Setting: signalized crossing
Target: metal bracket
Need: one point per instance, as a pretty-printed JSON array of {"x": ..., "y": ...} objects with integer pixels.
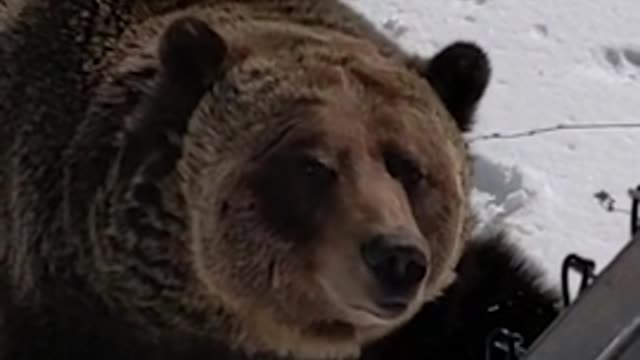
[
  {"x": 635, "y": 210},
  {"x": 586, "y": 268}
]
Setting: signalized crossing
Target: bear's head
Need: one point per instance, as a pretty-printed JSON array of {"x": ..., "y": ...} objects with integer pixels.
[{"x": 292, "y": 191}]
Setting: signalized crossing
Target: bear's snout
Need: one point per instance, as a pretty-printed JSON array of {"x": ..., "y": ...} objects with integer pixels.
[{"x": 398, "y": 269}]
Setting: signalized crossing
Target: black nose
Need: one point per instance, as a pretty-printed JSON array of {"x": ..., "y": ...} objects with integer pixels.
[{"x": 398, "y": 268}]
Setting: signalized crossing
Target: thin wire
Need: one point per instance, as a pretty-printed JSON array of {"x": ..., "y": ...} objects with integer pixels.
[{"x": 555, "y": 128}]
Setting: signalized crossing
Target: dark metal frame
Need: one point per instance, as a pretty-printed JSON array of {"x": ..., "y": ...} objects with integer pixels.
[{"x": 603, "y": 322}]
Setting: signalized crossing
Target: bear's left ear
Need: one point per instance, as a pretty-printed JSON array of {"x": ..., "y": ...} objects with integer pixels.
[
  {"x": 459, "y": 73},
  {"x": 191, "y": 57}
]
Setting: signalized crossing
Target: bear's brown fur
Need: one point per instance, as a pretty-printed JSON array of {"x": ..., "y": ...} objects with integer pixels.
[{"x": 199, "y": 177}]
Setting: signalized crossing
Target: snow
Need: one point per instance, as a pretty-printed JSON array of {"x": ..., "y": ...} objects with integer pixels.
[{"x": 554, "y": 62}]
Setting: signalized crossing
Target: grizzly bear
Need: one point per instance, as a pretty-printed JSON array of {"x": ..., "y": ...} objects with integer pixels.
[{"x": 260, "y": 179}]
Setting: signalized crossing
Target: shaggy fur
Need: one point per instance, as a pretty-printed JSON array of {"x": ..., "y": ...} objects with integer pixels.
[
  {"x": 496, "y": 287},
  {"x": 143, "y": 144}
]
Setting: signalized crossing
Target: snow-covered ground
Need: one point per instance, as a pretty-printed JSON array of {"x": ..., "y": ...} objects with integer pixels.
[{"x": 554, "y": 62}]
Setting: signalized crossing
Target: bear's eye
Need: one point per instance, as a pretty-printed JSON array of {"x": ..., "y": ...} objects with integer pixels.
[
  {"x": 403, "y": 169},
  {"x": 317, "y": 173}
]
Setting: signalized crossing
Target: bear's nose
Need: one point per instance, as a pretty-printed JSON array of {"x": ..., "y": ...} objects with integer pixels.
[{"x": 398, "y": 269}]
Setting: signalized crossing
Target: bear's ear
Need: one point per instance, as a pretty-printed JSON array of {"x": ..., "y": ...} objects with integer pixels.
[
  {"x": 191, "y": 53},
  {"x": 191, "y": 56},
  {"x": 459, "y": 73}
]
